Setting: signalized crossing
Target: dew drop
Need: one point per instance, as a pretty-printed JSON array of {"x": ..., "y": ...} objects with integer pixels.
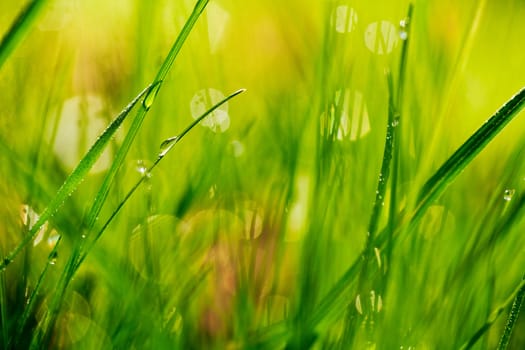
[
  {"x": 508, "y": 194},
  {"x": 167, "y": 144},
  {"x": 152, "y": 94},
  {"x": 403, "y": 34},
  {"x": 395, "y": 122}
]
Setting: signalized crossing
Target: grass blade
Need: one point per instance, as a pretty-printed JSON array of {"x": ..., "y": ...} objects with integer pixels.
[
  {"x": 19, "y": 28},
  {"x": 467, "y": 152},
  {"x": 513, "y": 317},
  {"x": 433, "y": 187},
  {"x": 74, "y": 179},
  {"x": 394, "y": 109},
  {"x": 42, "y": 335},
  {"x": 518, "y": 292},
  {"x": 141, "y": 114},
  {"x": 165, "y": 147},
  {"x": 29, "y": 309}
]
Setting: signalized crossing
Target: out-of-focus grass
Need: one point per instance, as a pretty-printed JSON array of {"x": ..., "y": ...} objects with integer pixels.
[{"x": 179, "y": 266}]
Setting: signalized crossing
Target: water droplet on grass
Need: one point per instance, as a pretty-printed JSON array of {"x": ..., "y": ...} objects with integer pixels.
[
  {"x": 344, "y": 19},
  {"x": 395, "y": 122},
  {"x": 381, "y": 37},
  {"x": 167, "y": 144},
  {"x": 218, "y": 120},
  {"x": 152, "y": 94},
  {"x": 508, "y": 194}
]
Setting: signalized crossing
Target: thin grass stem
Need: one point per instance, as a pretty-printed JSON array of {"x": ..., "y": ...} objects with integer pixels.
[{"x": 19, "y": 28}]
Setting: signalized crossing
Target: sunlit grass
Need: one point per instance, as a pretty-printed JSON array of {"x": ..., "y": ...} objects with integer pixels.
[{"x": 356, "y": 196}]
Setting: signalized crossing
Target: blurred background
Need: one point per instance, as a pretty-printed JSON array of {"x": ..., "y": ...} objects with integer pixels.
[{"x": 250, "y": 172}]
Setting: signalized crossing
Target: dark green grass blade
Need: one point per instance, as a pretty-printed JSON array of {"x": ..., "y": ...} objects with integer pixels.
[
  {"x": 42, "y": 335},
  {"x": 368, "y": 254},
  {"x": 519, "y": 291},
  {"x": 141, "y": 114},
  {"x": 19, "y": 28},
  {"x": 467, "y": 152},
  {"x": 512, "y": 318},
  {"x": 3, "y": 311},
  {"x": 30, "y": 307},
  {"x": 74, "y": 179},
  {"x": 337, "y": 297},
  {"x": 165, "y": 147},
  {"x": 394, "y": 109}
]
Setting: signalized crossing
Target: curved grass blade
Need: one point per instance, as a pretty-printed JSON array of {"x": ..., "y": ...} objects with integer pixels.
[
  {"x": 44, "y": 332},
  {"x": 32, "y": 298},
  {"x": 368, "y": 254},
  {"x": 141, "y": 114},
  {"x": 467, "y": 152},
  {"x": 3, "y": 312},
  {"x": 513, "y": 317},
  {"x": 337, "y": 297},
  {"x": 74, "y": 179},
  {"x": 395, "y": 99},
  {"x": 519, "y": 291},
  {"x": 165, "y": 147},
  {"x": 19, "y": 28}
]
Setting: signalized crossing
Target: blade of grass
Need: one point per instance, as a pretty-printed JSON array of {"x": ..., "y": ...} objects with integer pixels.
[
  {"x": 141, "y": 114},
  {"x": 467, "y": 152},
  {"x": 364, "y": 282},
  {"x": 512, "y": 318},
  {"x": 165, "y": 147},
  {"x": 337, "y": 297},
  {"x": 519, "y": 291},
  {"x": 3, "y": 311},
  {"x": 32, "y": 298},
  {"x": 369, "y": 253},
  {"x": 42, "y": 335},
  {"x": 74, "y": 179},
  {"x": 19, "y": 28}
]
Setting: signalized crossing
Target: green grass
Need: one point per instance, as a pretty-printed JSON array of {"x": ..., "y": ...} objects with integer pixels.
[{"x": 366, "y": 192}]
